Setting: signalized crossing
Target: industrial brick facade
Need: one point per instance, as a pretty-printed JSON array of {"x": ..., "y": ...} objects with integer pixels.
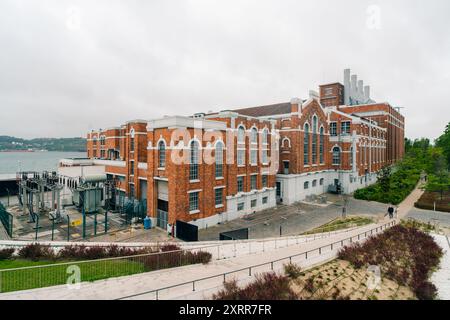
[{"x": 210, "y": 168}]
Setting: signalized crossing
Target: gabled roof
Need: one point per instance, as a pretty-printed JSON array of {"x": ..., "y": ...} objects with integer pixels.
[{"x": 264, "y": 111}]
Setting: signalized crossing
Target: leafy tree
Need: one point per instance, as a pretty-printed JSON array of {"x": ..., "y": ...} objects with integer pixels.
[{"x": 443, "y": 142}]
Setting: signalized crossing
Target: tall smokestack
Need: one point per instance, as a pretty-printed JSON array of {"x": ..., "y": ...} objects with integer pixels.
[
  {"x": 347, "y": 86},
  {"x": 367, "y": 93},
  {"x": 354, "y": 91},
  {"x": 360, "y": 90}
]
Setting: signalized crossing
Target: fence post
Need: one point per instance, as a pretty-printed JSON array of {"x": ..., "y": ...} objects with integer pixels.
[
  {"x": 320, "y": 251},
  {"x": 306, "y": 255},
  {"x": 250, "y": 271},
  {"x": 106, "y": 221},
  {"x": 193, "y": 285},
  {"x": 68, "y": 228}
]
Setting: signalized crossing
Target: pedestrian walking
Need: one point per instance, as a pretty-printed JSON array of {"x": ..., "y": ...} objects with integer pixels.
[{"x": 391, "y": 212}]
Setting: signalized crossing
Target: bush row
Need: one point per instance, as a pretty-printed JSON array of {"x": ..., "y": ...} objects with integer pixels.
[
  {"x": 405, "y": 255},
  {"x": 267, "y": 286},
  {"x": 169, "y": 253}
]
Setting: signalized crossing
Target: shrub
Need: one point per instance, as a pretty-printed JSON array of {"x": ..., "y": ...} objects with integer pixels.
[
  {"x": 293, "y": 271},
  {"x": 309, "y": 285},
  {"x": 36, "y": 252},
  {"x": 426, "y": 291},
  {"x": 405, "y": 254},
  {"x": 268, "y": 286},
  {"x": 6, "y": 254}
]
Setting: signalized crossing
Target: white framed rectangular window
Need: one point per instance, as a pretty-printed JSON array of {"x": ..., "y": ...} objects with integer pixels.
[
  {"x": 241, "y": 206},
  {"x": 333, "y": 129},
  {"x": 264, "y": 180},
  {"x": 193, "y": 201},
  {"x": 253, "y": 203},
  {"x": 254, "y": 157},
  {"x": 218, "y": 197},
  {"x": 240, "y": 184},
  {"x": 345, "y": 128},
  {"x": 241, "y": 157},
  {"x": 265, "y": 200},
  {"x": 253, "y": 182}
]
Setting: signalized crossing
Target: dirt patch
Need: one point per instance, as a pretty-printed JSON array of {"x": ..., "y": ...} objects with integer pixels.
[{"x": 339, "y": 280}]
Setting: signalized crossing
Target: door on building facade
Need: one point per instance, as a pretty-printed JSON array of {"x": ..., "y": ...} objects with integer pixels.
[
  {"x": 162, "y": 210},
  {"x": 285, "y": 167},
  {"x": 279, "y": 197},
  {"x": 162, "y": 214}
]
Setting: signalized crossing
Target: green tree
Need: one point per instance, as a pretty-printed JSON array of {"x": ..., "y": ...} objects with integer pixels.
[
  {"x": 439, "y": 181},
  {"x": 443, "y": 142}
]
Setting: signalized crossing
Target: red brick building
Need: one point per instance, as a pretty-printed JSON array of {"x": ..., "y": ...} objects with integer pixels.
[{"x": 216, "y": 167}]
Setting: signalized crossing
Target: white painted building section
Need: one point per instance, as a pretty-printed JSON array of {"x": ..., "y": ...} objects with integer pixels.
[{"x": 240, "y": 205}]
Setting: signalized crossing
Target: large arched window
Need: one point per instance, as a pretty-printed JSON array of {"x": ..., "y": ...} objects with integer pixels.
[
  {"x": 314, "y": 141},
  {"x": 321, "y": 144},
  {"x": 219, "y": 159},
  {"x": 265, "y": 137},
  {"x": 306, "y": 145},
  {"x": 162, "y": 154},
  {"x": 241, "y": 135},
  {"x": 336, "y": 156},
  {"x": 193, "y": 166},
  {"x": 254, "y": 135}
]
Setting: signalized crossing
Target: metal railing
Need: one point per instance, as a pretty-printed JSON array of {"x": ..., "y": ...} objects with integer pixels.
[
  {"x": 306, "y": 254},
  {"x": 57, "y": 273}
]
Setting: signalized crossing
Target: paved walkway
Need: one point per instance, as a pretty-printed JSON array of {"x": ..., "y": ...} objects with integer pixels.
[
  {"x": 123, "y": 287},
  {"x": 408, "y": 204},
  {"x": 441, "y": 278}
]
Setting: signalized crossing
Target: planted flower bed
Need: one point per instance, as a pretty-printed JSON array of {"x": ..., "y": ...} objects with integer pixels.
[
  {"x": 404, "y": 254},
  {"x": 41, "y": 266}
]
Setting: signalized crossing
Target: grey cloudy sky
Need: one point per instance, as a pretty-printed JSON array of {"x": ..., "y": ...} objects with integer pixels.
[{"x": 70, "y": 66}]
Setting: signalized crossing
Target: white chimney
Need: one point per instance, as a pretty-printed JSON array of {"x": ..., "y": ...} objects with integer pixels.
[
  {"x": 367, "y": 93},
  {"x": 360, "y": 90},
  {"x": 347, "y": 86},
  {"x": 354, "y": 90}
]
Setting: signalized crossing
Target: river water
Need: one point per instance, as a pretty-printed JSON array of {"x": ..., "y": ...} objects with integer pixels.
[{"x": 11, "y": 162}]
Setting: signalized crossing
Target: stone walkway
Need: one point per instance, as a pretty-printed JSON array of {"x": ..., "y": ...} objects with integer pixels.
[
  {"x": 119, "y": 288},
  {"x": 441, "y": 278}
]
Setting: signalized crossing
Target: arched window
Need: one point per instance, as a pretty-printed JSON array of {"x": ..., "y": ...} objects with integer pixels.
[
  {"x": 321, "y": 144},
  {"x": 241, "y": 135},
  {"x": 162, "y": 154},
  {"x": 265, "y": 137},
  {"x": 306, "y": 145},
  {"x": 314, "y": 141},
  {"x": 336, "y": 156},
  {"x": 219, "y": 160},
  {"x": 306, "y": 185},
  {"x": 254, "y": 135},
  {"x": 193, "y": 167},
  {"x": 286, "y": 143}
]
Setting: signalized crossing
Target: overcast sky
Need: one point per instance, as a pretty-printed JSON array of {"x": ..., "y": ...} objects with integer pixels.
[{"x": 70, "y": 66}]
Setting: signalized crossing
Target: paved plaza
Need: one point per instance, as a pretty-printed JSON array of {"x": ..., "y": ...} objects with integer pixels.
[{"x": 295, "y": 219}]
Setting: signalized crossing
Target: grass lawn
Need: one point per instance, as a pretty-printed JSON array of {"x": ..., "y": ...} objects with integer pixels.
[
  {"x": 24, "y": 279},
  {"x": 340, "y": 224}
]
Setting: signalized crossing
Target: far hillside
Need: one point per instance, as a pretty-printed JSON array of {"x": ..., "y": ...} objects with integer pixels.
[{"x": 8, "y": 143}]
